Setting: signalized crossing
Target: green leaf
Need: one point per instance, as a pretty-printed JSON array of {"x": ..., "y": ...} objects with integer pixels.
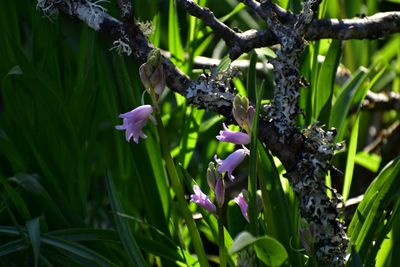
[
  {"x": 348, "y": 175},
  {"x": 242, "y": 241},
  {"x": 368, "y": 161},
  {"x": 252, "y": 181},
  {"x": 155, "y": 35},
  {"x": 326, "y": 78},
  {"x": 388, "y": 254},
  {"x": 355, "y": 260},
  {"x": 123, "y": 228},
  {"x": 174, "y": 39},
  {"x": 224, "y": 63},
  {"x": 268, "y": 249},
  {"x": 57, "y": 242},
  {"x": 16, "y": 199},
  {"x": 33, "y": 227},
  {"x": 236, "y": 10},
  {"x": 190, "y": 133},
  {"x": 281, "y": 219},
  {"x": 368, "y": 222},
  {"x": 343, "y": 102},
  {"x": 12, "y": 247},
  {"x": 77, "y": 249},
  {"x": 31, "y": 184}
]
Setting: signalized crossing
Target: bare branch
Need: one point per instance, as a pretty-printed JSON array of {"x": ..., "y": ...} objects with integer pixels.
[
  {"x": 383, "y": 136},
  {"x": 282, "y": 14},
  {"x": 371, "y": 27},
  {"x": 381, "y": 101}
]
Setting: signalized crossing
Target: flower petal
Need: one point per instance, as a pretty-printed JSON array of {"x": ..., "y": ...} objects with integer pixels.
[{"x": 134, "y": 121}]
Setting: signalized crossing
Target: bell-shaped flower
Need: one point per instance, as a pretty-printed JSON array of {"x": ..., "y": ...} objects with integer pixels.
[
  {"x": 202, "y": 199},
  {"x": 238, "y": 138},
  {"x": 241, "y": 201},
  {"x": 134, "y": 121},
  {"x": 231, "y": 162}
]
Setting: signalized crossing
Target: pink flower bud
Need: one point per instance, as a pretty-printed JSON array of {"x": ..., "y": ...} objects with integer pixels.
[
  {"x": 243, "y": 113},
  {"x": 152, "y": 72},
  {"x": 241, "y": 201}
]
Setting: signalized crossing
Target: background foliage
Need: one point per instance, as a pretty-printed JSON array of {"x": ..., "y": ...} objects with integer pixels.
[{"x": 74, "y": 193}]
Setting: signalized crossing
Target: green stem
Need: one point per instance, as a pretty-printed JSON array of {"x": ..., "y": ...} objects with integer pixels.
[
  {"x": 177, "y": 186},
  {"x": 221, "y": 241}
]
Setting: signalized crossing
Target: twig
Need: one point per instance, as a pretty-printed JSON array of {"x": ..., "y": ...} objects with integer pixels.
[
  {"x": 283, "y": 15},
  {"x": 382, "y": 137},
  {"x": 381, "y": 101},
  {"x": 371, "y": 27}
]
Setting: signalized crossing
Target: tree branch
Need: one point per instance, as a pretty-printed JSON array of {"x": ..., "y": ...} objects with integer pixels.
[
  {"x": 381, "y": 101},
  {"x": 371, "y": 27}
]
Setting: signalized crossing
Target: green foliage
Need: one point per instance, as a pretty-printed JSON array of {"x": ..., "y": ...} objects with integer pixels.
[
  {"x": 75, "y": 193},
  {"x": 268, "y": 250}
]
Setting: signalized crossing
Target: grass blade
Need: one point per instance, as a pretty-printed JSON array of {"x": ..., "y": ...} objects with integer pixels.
[
  {"x": 351, "y": 153},
  {"x": 367, "y": 223},
  {"x": 33, "y": 227},
  {"x": 128, "y": 240},
  {"x": 326, "y": 78}
]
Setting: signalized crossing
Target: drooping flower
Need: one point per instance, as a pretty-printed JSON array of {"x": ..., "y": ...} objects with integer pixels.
[
  {"x": 241, "y": 201},
  {"x": 232, "y": 161},
  {"x": 202, "y": 199},
  {"x": 134, "y": 121},
  {"x": 238, "y": 138}
]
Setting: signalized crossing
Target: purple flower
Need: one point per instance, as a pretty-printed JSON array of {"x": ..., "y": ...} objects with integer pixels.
[
  {"x": 232, "y": 161},
  {"x": 133, "y": 122},
  {"x": 238, "y": 138},
  {"x": 241, "y": 201},
  {"x": 202, "y": 199}
]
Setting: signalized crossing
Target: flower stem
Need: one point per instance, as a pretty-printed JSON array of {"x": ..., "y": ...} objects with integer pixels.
[
  {"x": 177, "y": 186},
  {"x": 221, "y": 241}
]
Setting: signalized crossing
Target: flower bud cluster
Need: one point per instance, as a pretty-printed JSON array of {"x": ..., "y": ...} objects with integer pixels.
[
  {"x": 243, "y": 113},
  {"x": 153, "y": 78}
]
